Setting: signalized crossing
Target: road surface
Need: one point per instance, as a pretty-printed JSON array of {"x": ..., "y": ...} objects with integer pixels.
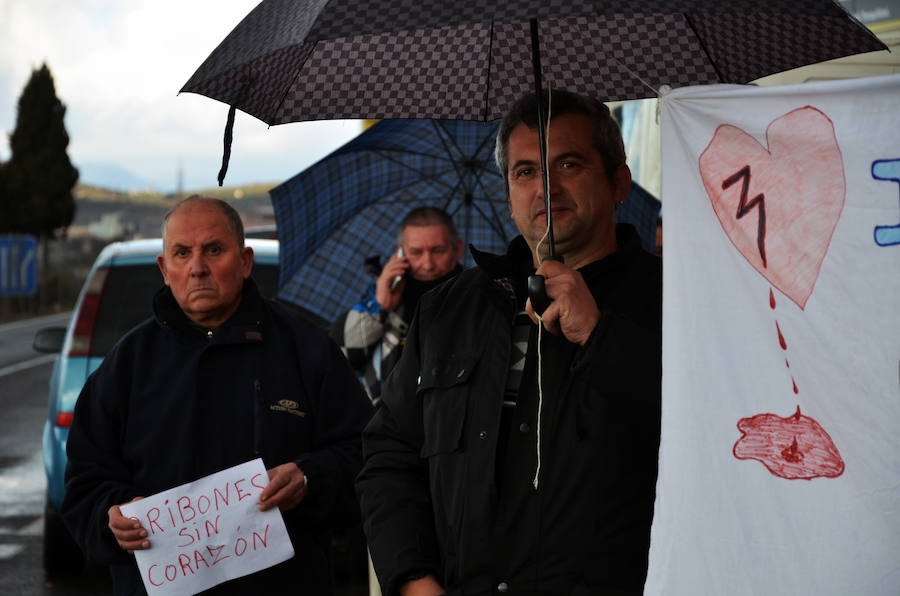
[{"x": 24, "y": 377}]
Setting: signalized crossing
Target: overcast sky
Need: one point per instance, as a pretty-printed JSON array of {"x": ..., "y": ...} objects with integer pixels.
[{"x": 118, "y": 66}]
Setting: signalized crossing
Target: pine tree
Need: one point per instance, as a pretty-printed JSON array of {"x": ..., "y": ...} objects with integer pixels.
[
  {"x": 12, "y": 202},
  {"x": 6, "y": 215},
  {"x": 39, "y": 177}
]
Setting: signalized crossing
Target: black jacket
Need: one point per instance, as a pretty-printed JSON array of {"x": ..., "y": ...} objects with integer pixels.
[
  {"x": 173, "y": 402},
  {"x": 435, "y": 494}
]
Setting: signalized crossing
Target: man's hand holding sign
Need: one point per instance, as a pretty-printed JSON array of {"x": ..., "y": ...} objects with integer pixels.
[
  {"x": 129, "y": 533},
  {"x": 286, "y": 488}
]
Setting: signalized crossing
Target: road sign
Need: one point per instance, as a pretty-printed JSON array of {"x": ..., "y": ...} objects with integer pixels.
[{"x": 18, "y": 265}]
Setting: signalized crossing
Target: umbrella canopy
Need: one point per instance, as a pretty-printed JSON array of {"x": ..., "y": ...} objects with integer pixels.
[
  {"x": 293, "y": 60},
  {"x": 348, "y": 206}
]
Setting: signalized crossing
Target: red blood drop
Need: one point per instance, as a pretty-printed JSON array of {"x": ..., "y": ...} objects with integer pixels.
[
  {"x": 780, "y": 337},
  {"x": 771, "y": 299},
  {"x": 793, "y": 453}
]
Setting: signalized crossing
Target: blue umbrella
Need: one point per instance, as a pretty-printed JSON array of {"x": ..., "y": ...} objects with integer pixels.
[{"x": 347, "y": 207}]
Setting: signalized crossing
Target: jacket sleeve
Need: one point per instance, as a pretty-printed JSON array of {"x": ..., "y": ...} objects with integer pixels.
[
  {"x": 362, "y": 326},
  {"x": 393, "y": 486},
  {"x": 341, "y": 410},
  {"x": 96, "y": 476},
  {"x": 623, "y": 355},
  {"x": 622, "y": 365},
  {"x": 358, "y": 331},
  {"x": 616, "y": 346}
]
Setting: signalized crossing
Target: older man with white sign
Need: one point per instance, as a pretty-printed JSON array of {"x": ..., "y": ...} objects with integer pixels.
[{"x": 218, "y": 377}]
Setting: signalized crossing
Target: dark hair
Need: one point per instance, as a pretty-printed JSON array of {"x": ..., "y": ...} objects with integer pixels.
[
  {"x": 428, "y": 216},
  {"x": 607, "y": 136},
  {"x": 235, "y": 225}
]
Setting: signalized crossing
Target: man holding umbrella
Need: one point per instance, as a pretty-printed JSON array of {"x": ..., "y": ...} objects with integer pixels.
[
  {"x": 372, "y": 332},
  {"x": 517, "y": 453}
]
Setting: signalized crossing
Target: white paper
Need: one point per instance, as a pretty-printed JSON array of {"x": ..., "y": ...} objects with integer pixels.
[
  {"x": 802, "y": 347},
  {"x": 209, "y": 531}
]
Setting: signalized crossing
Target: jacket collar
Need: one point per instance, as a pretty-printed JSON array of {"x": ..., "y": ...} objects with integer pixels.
[
  {"x": 415, "y": 289},
  {"x": 629, "y": 242},
  {"x": 516, "y": 265},
  {"x": 169, "y": 314}
]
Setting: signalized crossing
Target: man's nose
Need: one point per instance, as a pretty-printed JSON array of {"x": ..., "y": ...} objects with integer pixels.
[
  {"x": 552, "y": 183},
  {"x": 198, "y": 265}
]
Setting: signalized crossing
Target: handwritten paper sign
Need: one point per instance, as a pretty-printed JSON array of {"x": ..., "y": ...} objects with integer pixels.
[{"x": 209, "y": 531}]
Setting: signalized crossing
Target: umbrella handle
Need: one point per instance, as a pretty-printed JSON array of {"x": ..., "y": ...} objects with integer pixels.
[
  {"x": 537, "y": 289},
  {"x": 537, "y": 293}
]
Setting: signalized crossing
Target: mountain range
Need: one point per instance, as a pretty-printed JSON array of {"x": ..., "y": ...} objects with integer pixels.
[{"x": 111, "y": 176}]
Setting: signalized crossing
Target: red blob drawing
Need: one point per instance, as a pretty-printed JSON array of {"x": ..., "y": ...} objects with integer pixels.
[
  {"x": 779, "y": 205},
  {"x": 796, "y": 447}
]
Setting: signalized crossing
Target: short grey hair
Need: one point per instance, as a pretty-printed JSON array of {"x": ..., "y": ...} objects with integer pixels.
[
  {"x": 428, "y": 216},
  {"x": 235, "y": 225},
  {"x": 607, "y": 135}
]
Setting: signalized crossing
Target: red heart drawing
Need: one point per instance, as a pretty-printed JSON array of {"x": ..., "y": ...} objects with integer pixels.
[{"x": 779, "y": 206}]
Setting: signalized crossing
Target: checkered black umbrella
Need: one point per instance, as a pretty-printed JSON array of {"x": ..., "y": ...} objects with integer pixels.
[
  {"x": 293, "y": 60},
  {"x": 348, "y": 206}
]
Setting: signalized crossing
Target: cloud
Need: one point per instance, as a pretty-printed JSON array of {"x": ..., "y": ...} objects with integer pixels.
[{"x": 118, "y": 67}]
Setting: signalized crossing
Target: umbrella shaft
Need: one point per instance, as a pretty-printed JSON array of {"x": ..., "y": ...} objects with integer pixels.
[{"x": 542, "y": 134}]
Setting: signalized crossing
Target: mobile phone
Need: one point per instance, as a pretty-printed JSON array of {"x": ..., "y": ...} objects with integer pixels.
[{"x": 399, "y": 277}]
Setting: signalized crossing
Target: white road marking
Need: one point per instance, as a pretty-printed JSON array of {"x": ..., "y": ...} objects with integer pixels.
[
  {"x": 26, "y": 364},
  {"x": 22, "y": 488},
  {"x": 62, "y": 318},
  {"x": 35, "y": 528},
  {"x": 8, "y": 551}
]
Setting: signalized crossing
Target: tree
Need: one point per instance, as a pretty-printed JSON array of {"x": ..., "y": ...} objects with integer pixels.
[
  {"x": 12, "y": 201},
  {"x": 6, "y": 214},
  {"x": 39, "y": 178}
]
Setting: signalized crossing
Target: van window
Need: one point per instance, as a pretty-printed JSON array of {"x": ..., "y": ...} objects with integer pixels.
[{"x": 128, "y": 299}]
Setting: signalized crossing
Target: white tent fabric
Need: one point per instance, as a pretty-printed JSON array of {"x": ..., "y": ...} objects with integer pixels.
[{"x": 780, "y": 454}]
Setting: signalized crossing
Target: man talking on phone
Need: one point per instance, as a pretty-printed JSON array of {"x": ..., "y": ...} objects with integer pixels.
[{"x": 372, "y": 332}]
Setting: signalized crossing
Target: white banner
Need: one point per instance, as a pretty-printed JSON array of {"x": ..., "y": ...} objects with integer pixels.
[
  {"x": 209, "y": 531},
  {"x": 780, "y": 454}
]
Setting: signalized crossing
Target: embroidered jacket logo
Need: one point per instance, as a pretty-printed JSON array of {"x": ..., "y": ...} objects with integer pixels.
[{"x": 289, "y": 406}]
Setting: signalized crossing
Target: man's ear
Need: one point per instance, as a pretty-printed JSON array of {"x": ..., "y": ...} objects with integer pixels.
[
  {"x": 161, "y": 263},
  {"x": 622, "y": 183},
  {"x": 459, "y": 249},
  {"x": 246, "y": 261}
]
